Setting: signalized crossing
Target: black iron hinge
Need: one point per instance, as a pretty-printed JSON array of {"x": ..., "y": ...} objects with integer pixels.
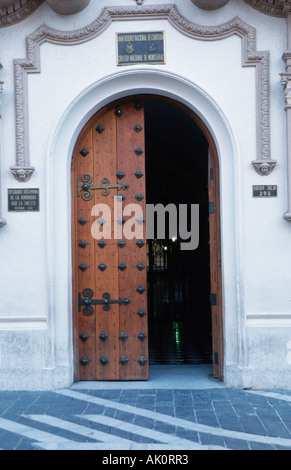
[
  {"x": 216, "y": 358},
  {"x": 213, "y": 300},
  {"x": 211, "y": 208}
]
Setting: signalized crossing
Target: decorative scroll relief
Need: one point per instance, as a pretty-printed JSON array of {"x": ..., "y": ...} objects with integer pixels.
[
  {"x": 251, "y": 58},
  {"x": 2, "y": 221},
  {"x": 13, "y": 11},
  {"x": 279, "y": 8}
]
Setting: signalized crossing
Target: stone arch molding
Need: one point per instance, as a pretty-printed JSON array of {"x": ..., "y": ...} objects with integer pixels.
[{"x": 264, "y": 164}]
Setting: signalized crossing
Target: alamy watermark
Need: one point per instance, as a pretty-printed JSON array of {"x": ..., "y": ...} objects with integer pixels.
[{"x": 170, "y": 221}]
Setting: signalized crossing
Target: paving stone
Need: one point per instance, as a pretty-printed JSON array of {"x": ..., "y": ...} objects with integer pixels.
[
  {"x": 185, "y": 413},
  {"x": 164, "y": 427},
  {"x": 25, "y": 445},
  {"x": 209, "y": 439},
  {"x": 144, "y": 422},
  {"x": 124, "y": 416},
  {"x": 257, "y": 446},
  {"x": 229, "y": 421},
  {"x": 146, "y": 406},
  {"x": 167, "y": 409},
  {"x": 242, "y": 409},
  {"x": 10, "y": 441},
  {"x": 207, "y": 417},
  {"x": 273, "y": 423},
  {"x": 110, "y": 412},
  {"x": 282, "y": 448},
  {"x": 236, "y": 444},
  {"x": 92, "y": 409},
  {"x": 164, "y": 396},
  {"x": 187, "y": 434},
  {"x": 252, "y": 425},
  {"x": 128, "y": 396},
  {"x": 146, "y": 400}
]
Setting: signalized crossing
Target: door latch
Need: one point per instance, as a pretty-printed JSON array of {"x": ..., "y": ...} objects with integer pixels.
[{"x": 87, "y": 301}]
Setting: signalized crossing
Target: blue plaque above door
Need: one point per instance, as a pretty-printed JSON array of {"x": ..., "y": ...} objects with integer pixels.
[{"x": 141, "y": 48}]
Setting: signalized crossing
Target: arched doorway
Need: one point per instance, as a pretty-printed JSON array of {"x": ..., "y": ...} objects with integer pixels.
[{"x": 177, "y": 164}]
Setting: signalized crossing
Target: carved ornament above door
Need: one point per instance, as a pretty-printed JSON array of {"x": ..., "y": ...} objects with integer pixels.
[
  {"x": 13, "y": 11},
  {"x": 279, "y": 8}
]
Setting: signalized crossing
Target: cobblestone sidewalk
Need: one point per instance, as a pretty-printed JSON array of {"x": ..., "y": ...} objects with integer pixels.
[{"x": 149, "y": 420}]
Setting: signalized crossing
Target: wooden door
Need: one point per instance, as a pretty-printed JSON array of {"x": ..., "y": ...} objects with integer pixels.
[
  {"x": 110, "y": 267},
  {"x": 215, "y": 265}
]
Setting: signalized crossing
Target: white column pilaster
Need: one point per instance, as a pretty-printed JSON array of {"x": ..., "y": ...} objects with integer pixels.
[
  {"x": 286, "y": 81},
  {"x": 2, "y": 220}
]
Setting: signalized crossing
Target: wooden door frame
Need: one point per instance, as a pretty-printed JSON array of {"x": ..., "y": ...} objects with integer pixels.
[{"x": 214, "y": 232}]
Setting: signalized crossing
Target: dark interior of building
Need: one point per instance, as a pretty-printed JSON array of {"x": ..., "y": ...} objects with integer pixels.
[{"x": 178, "y": 280}]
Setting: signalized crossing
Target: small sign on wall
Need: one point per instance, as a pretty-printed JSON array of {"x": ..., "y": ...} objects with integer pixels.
[
  {"x": 23, "y": 200},
  {"x": 265, "y": 191},
  {"x": 141, "y": 48}
]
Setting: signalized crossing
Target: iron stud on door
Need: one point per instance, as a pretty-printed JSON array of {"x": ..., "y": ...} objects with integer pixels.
[
  {"x": 142, "y": 336},
  {"x": 84, "y": 152},
  {"x": 83, "y": 267},
  {"x": 83, "y": 221},
  {"x": 84, "y": 361},
  {"x": 142, "y": 360},
  {"x": 140, "y": 266},
  {"x": 139, "y": 197},
  {"x": 100, "y": 129},
  {"x": 104, "y": 360},
  {"x": 103, "y": 336},
  {"x": 123, "y": 360},
  {"x": 123, "y": 336},
  {"x": 83, "y": 244},
  {"x": 102, "y": 266},
  {"x": 138, "y": 151},
  {"x": 119, "y": 112},
  {"x": 138, "y": 174},
  {"x": 140, "y": 289},
  {"x": 138, "y": 128},
  {"x": 122, "y": 266},
  {"x": 84, "y": 337},
  {"x": 141, "y": 313}
]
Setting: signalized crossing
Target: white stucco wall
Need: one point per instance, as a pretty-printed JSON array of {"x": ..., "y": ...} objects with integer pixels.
[{"x": 74, "y": 82}]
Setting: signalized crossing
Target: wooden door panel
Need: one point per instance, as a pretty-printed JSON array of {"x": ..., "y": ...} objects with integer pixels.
[
  {"x": 85, "y": 263},
  {"x": 215, "y": 267},
  {"x": 112, "y": 342},
  {"x": 130, "y": 160},
  {"x": 105, "y": 166}
]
